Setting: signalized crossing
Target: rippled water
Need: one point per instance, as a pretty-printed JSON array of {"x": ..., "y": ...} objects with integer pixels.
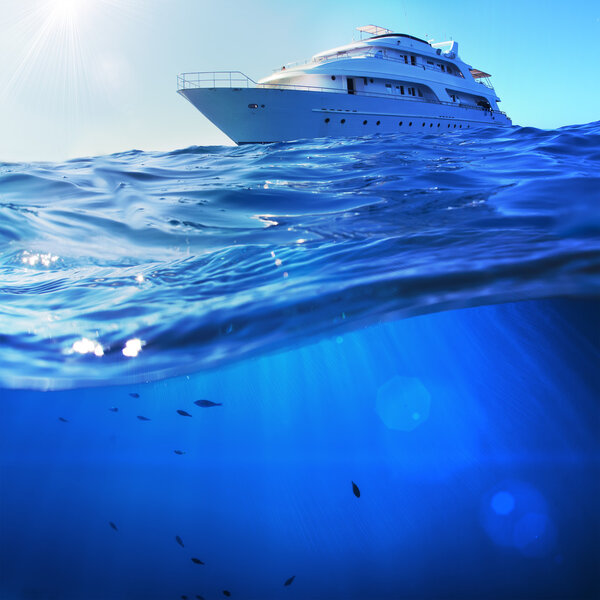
[
  {"x": 306, "y": 448},
  {"x": 210, "y": 253}
]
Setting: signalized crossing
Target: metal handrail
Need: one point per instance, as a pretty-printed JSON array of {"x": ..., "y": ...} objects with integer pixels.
[
  {"x": 216, "y": 78},
  {"x": 232, "y": 79},
  {"x": 371, "y": 53}
]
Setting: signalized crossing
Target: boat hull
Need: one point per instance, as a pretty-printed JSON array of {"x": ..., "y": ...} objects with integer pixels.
[{"x": 263, "y": 115}]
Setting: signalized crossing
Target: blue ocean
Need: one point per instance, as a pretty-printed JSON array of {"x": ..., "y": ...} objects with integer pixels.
[{"x": 326, "y": 369}]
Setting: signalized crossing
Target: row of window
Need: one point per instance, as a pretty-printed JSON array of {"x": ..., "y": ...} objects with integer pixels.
[
  {"x": 411, "y": 91},
  {"x": 437, "y": 66},
  {"x": 365, "y": 122}
]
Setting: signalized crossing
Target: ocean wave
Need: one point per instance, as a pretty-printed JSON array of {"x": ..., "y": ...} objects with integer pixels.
[{"x": 209, "y": 254}]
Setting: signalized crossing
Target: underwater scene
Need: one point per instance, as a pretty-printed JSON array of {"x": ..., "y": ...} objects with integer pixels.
[{"x": 356, "y": 369}]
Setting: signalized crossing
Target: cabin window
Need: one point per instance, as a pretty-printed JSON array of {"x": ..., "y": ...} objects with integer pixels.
[
  {"x": 430, "y": 62},
  {"x": 371, "y": 79},
  {"x": 365, "y": 80},
  {"x": 430, "y": 124},
  {"x": 378, "y": 123},
  {"x": 365, "y": 122},
  {"x": 420, "y": 93},
  {"x": 413, "y": 60},
  {"x": 402, "y": 89},
  {"x": 343, "y": 121},
  {"x": 423, "y": 124},
  {"x": 439, "y": 124},
  {"x": 410, "y": 124},
  {"x": 443, "y": 68},
  {"x": 405, "y": 59},
  {"x": 400, "y": 124},
  {"x": 388, "y": 85},
  {"x": 333, "y": 78},
  {"x": 327, "y": 120}
]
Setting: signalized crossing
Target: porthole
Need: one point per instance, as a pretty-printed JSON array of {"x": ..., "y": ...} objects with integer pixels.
[
  {"x": 378, "y": 123},
  {"x": 430, "y": 124},
  {"x": 410, "y": 124},
  {"x": 333, "y": 78},
  {"x": 448, "y": 125},
  {"x": 439, "y": 124},
  {"x": 343, "y": 121},
  {"x": 371, "y": 80},
  {"x": 423, "y": 124},
  {"x": 454, "y": 125},
  {"x": 365, "y": 122},
  {"x": 400, "y": 124},
  {"x": 327, "y": 120},
  {"x": 461, "y": 126},
  {"x": 252, "y": 105}
]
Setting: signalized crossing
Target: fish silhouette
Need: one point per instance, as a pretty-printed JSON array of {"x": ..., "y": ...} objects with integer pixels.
[
  {"x": 183, "y": 413},
  {"x": 179, "y": 541},
  {"x": 355, "y": 490},
  {"x": 197, "y": 561},
  {"x": 113, "y": 409},
  {"x": 207, "y": 403},
  {"x": 141, "y": 418},
  {"x": 226, "y": 593},
  {"x": 180, "y": 452},
  {"x": 63, "y": 420},
  {"x": 134, "y": 395},
  {"x": 113, "y": 526},
  {"x": 289, "y": 581}
]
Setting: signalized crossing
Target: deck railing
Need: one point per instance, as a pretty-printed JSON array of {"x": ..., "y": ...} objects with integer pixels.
[
  {"x": 214, "y": 79},
  {"x": 371, "y": 53},
  {"x": 237, "y": 80}
]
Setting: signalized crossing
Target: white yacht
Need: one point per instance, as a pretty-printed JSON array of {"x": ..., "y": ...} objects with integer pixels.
[{"x": 386, "y": 83}]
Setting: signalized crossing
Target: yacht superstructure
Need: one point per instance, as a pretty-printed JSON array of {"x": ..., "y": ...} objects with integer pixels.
[{"x": 388, "y": 82}]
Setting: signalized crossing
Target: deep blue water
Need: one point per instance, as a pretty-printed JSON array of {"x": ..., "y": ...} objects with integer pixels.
[{"x": 417, "y": 315}]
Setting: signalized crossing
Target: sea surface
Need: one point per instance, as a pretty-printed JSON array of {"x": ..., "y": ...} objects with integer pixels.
[{"x": 356, "y": 369}]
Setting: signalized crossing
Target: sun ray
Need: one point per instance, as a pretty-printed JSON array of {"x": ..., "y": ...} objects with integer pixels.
[{"x": 57, "y": 71}]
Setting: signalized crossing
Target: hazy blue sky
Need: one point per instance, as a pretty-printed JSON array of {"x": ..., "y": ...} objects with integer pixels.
[{"x": 83, "y": 77}]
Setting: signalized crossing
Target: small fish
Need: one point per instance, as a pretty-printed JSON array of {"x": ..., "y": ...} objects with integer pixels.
[
  {"x": 207, "y": 403},
  {"x": 113, "y": 526},
  {"x": 179, "y": 452},
  {"x": 141, "y": 418},
  {"x": 62, "y": 420},
  {"x": 289, "y": 581},
  {"x": 355, "y": 490},
  {"x": 134, "y": 395},
  {"x": 183, "y": 413},
  {"x": 226, "y": 593},
  {"x": 113, "y": 409},
  {"x": 179, "y": 541},
  {"x": 197, "y": 561}
]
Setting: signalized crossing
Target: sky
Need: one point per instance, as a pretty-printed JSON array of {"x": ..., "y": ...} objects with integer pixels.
[{"x": 89, "y": 77}]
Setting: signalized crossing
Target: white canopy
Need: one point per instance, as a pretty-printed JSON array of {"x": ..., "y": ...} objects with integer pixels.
[{"x": 373, "y": 29}]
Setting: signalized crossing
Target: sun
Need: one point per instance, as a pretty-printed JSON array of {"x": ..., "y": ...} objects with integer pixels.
[{"x": 69, "y": 10}]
